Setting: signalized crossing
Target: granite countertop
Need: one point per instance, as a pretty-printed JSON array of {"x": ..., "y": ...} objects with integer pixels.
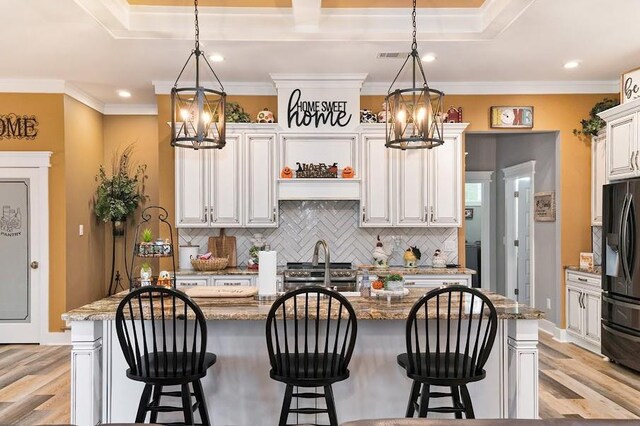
[
  {"x": 421, "y": 270},
  {"x": 251, "y": 309},
  {"x": 240, "y": 270},
  {"x": 596, "y": 270}
]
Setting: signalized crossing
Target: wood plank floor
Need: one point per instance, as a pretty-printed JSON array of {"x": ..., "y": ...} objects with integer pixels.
[{"x": 35, "y": 384}]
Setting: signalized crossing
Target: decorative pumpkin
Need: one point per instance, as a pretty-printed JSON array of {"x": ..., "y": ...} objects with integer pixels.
[
  {"x": 265, "y": 116},
  {"x": 366, "y": 116},
  {"x": 347, "y": 172},
  {"x": 286, "y": 173}
]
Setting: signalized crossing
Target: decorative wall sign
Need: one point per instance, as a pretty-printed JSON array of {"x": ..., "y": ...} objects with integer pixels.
[
  {"x": 320, "y": 170},
  {"x": 316, "y": 103},
  {"x": 511, "y": 117},
  {"x": 630, "y": 85},
  {"x": 545, "y": 206},
  {"x": 13, "y": 126}
]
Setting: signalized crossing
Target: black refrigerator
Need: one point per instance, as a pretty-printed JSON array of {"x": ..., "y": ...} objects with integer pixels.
[{"x": 621, "y": 273}]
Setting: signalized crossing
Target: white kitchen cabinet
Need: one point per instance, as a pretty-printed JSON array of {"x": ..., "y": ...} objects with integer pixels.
[
  {"x": 230, "y": 187},
  {"x": 225, "y": 184},
  {"x": 375, "y": 200},
  {"x": 445, "y": 181},
  {"x": 583, "y": 305},
  {"x": 412, "y": 187},
  {"x": 598, "y": 176},
  {"x": 261, "y": 207},
  {"x": 622, "y": 145},
  {"x": 192, "y": 281},
  {"x": 435, "y": 281},
  {"x": 191, "y": 177}
]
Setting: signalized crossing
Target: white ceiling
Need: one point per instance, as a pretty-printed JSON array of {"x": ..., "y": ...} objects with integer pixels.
[{"x": 98, "y": 49}]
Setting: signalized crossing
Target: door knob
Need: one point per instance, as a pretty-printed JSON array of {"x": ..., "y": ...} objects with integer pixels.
[{"x": 34, "y": 265}]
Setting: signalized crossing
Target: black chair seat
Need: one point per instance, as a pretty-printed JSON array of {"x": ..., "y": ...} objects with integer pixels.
[
  {"x": 443, "y": 372},
  {"x": 314, "y": 370},
  {"x": 182, "y": 362}
]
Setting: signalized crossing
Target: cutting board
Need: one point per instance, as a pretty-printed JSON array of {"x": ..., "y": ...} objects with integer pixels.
[{"x": 224, "y": 246}]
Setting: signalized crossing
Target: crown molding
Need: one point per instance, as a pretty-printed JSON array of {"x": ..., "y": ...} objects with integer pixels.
[
  {"x": 83, "y": 97},
  {"x": 134, "y": 109},
  {"x": 505, "y": 87}
]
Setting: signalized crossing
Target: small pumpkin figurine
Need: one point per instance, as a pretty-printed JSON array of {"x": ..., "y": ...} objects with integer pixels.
[
  {"x": 347, "y": 172},
  {"x": 265, "y": 116},
  {"x": 286, "y": 173}
]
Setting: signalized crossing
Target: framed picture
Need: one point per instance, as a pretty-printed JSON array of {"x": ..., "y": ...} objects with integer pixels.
[
  {"x": 511, "y": 117},
  {"x": 630, "y": 85},
  {"x": 468, "y": 213},
  {"x": 545, "y": 206},
  {"x": 586, "y": 260}
]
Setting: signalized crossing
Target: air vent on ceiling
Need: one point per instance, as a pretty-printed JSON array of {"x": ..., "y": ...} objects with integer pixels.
[{"x": 392, "y": 55}]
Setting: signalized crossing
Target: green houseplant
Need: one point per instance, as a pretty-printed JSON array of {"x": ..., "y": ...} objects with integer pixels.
[
  {"x": 120, "y": 194},
  {"x": 591, "y": 126}
]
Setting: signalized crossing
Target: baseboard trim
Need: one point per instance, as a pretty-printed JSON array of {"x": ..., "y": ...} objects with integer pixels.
[
  {"x": 559, "y": 334},
  {"x": 62, "y": 338}
]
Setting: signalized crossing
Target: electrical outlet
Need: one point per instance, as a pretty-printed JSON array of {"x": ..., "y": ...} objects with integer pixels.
[
  {"x": 548, "y": 303},
  {"x": 81, "y": 230}
]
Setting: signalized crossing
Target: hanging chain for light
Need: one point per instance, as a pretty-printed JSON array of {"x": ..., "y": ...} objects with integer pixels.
[
  {"x": 198, "y": 119},
  {"x": 414, "y": 115}
]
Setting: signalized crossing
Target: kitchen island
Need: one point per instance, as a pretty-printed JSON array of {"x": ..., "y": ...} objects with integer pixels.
[{"x": 240, "y": 392}]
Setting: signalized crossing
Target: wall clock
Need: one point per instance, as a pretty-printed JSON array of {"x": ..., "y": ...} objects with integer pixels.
[{"x": 511, "y": 117}]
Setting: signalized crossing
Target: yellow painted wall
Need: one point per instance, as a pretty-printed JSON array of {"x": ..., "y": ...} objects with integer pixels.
[
  {"x": 83, "y": 144},
  {"x": 49, "y": 110},
  {"x": 119, "y": 132}
]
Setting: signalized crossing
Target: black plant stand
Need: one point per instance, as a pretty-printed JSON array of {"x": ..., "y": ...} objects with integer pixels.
[{"x": 117, "y": 232}]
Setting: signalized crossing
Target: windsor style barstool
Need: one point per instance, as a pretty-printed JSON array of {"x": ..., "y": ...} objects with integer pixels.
[
  {"x": 163, "y": 335},
  {"x": 449, "y": 350},
  {"x": 311, "y": 333}
]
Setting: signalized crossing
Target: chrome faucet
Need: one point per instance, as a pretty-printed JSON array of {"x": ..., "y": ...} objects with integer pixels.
[{"x": 327, "y": 261}]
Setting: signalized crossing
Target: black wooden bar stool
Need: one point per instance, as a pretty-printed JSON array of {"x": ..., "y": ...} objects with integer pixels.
[
  {"x": 163, "y": 335},
  {"x": 311, "y": 333},
  {"x": 446, "y": 351}
]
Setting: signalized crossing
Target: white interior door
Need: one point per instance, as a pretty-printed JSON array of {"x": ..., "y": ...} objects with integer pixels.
[
  {"x": 523, "y": 218},
  {"x": 19, "y": 256}
]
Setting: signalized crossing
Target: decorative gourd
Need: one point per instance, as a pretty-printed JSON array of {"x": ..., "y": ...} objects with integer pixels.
[
  {"x": 265, "y": 116},
  {"x": 347, "y": 172},
  {"x": 286, "y": 173}
]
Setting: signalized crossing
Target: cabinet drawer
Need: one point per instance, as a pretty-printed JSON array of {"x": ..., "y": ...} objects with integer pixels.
[
  {"x": 433, "y": 282},
  {"x": 190, "y": 282},
  {"x": 585, "y": 280},
  {"x": 232, "y": 281}
]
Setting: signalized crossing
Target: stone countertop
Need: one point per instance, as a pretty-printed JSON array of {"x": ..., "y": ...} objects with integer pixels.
[
  {"x": 596, "y": 270},
  {"x": 251, "y": 309},
  {"x": 421, "y": 270}
]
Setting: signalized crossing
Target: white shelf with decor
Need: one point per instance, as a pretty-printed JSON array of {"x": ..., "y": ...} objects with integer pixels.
[{"x": 583, "y": 306}]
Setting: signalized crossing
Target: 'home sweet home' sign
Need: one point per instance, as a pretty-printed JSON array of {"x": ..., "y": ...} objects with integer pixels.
[{"x": 319, "y": 103}]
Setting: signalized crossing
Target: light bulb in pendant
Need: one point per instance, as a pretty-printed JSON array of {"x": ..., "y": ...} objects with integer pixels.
[
  {"x": 184, "y": 113},
  {"x": 206, "y": 118}
]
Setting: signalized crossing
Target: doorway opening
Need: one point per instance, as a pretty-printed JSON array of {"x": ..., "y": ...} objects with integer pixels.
[{"x": 478, "y": 226}]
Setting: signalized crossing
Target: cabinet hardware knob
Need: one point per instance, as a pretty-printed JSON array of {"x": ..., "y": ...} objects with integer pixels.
[
  {"x": 364, "y": 214},
  {"x": 637, "y": 154},
  {"x": 274, "y": 214},
  {"x": 35, "y": 264}
]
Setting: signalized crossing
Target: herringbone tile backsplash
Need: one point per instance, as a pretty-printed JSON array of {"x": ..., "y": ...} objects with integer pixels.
[
  {"x": 597, "y": 244},
  {"x": 302, "y": 223}
]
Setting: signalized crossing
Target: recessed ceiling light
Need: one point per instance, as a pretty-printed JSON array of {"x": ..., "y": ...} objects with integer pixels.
[
  {"x": 216, "y": 57},
  {"x": 124, "y": 93},
  {"x": 429, "y": 57},
  {"x": 571, "y": 64}
]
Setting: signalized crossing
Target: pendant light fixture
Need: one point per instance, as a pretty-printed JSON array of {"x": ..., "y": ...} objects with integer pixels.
[
  {"x": 415, "y": 114},
  {"x": 198, "y": 113}
]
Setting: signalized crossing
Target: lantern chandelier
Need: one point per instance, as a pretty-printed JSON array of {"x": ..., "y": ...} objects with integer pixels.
[
  {"x": 198, "y": 119},
  {"x": 415, "y": 118}
]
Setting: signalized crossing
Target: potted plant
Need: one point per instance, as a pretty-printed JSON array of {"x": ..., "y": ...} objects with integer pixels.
[
  {"x": 394, "y": 282},
  {"x": 594, "y": 124},
  {"x": 120, "y": 194},
  {"x": 147, "y": 238}
]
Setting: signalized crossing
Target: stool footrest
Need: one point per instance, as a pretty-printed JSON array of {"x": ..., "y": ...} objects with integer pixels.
[
  {"x": 445, "y": 410},
  {"x": 439, "y": 395},
  {"x": 175, "y": 394},
  {"x": 310, "y": 395},
  {"x": 164, "y": 408},
  {"x": 308, "y": 410}
]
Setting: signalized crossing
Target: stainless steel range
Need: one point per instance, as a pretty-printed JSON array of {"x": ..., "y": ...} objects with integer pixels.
[{"x": 342, "y": 276}]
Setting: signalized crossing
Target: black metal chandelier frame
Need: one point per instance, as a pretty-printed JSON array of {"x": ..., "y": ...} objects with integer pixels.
[
  {"x": 414, "y": 115},
  {"x": 198, "y": 113}
]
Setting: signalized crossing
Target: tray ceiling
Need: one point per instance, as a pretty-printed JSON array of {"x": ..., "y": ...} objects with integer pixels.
[{"x": 325, "y": 3}]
